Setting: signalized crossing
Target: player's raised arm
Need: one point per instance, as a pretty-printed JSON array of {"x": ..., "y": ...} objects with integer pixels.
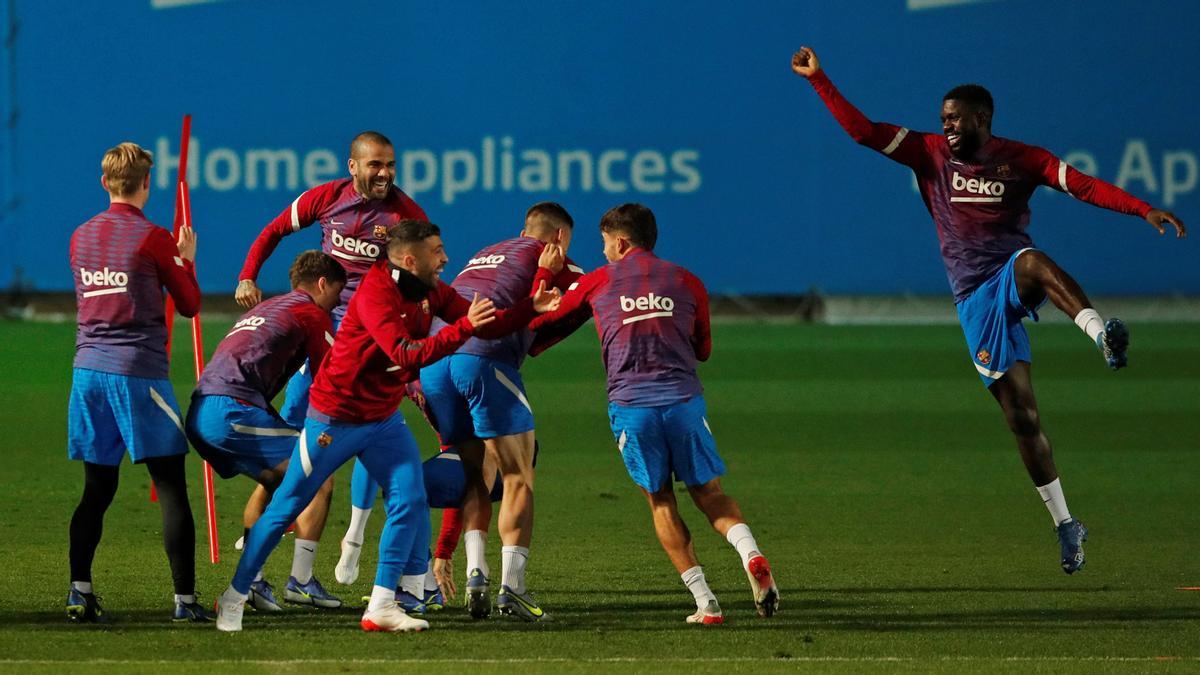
[
  {"x": 895, "y": 142},
  {"x": 301, "y": 213},
  {"x": 1063, "y": 177},
  {"x": 574, "y": 301}
]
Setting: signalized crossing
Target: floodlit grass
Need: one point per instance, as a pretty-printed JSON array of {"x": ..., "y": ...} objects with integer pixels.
[{"x": 875, "y": 471}]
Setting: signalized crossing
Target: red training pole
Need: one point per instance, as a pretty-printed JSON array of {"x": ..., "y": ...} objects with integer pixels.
[{"x": 183, "y": 218}]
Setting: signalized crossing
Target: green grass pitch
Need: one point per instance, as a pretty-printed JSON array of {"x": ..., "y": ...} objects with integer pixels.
[{"x": 875, "y": 471}]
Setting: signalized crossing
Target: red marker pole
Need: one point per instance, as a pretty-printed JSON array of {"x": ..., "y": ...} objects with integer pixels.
[{"x": 183, "y": 218}]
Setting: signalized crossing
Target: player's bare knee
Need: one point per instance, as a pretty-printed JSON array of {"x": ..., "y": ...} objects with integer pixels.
[{"x": 1024, "y": 421}]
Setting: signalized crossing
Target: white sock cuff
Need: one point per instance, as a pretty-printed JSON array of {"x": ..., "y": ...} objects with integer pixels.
[
  {"x": 380, "y": 597},
  {"x": 185, "y": 599},
  {"x": 82, "y": 586},
  {"x": 516, "y": 549},
  {"x": 1090, "y": 322},
  {"x": 737, "y": 532},
  {"x": 691, "y": 574}
]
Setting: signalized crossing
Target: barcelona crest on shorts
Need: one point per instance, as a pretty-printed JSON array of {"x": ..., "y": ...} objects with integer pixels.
[{"x": 984, "y": 357}]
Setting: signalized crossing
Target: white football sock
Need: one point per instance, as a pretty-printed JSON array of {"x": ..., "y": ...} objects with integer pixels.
[
  {"x": 694, "y": 580},
  {"x": 739, "y": 536},
  {"x": 430, "y": 580},
  {"x": 1056, "y": 503},
  {"x": 231, "y": 594},
  {"x": 1090, "y": 322},
  {"x": 302, "y": 560},
  {"x": 82, "y": 586},
  {"x": 358, "y": 525},
  {"x": 475, "y": 542},
  {"x": 381, "y": 597},
  {"x": 512, "y": 567},
  {"x": 413, "y": 584},
  {"x": 185, "y": 599},
  {"x": 257, "y": 577}
]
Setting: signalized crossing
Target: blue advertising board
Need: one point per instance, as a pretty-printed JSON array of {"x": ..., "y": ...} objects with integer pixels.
[{"x": 688, "y": 107}]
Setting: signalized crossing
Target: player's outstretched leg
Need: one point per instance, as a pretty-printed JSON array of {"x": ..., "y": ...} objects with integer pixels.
[
  {"x": 87, "y": 524},
  {"x": 726, "y": 518},
  {"x": 1039, "y": 279},
  {"x": 477, "y": 516},
  {"x": 179, "y": 535},
  {"x": 362, "y": 499},
  {"x": 514, "y": 454},
  {"x": 303, "y": 588},
  {"x": 676, "y": 541},
  {"x": 1014, "y": 392}
]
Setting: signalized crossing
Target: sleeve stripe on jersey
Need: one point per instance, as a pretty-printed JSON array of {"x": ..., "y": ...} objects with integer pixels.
[
  {"x": 575, "y": 268},
  {"x": 329, "y": 338},
  {"x": 296, "y": 213},
  {"x": 161, "y": 403},
  {"x": 891, "y": 147},
  {"x": 1062, "y": 176}
]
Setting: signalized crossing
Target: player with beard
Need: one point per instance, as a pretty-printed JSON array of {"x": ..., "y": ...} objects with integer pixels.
[
  {"x": 383, "y": 342},
  {"x": 977, "y": 188},
  {"x": 354, "y": 214}
]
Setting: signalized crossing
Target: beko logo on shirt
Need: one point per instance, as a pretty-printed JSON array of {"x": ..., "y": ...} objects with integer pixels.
[
  {"x": 354, "y": 249},
  {"x": 654, "y": 305},
  {"x": 989, "y": 190},
  {"x": 484, "y": 262},
  {"x": 247, "y": 323},
  {"x": 115, "y": 281}
]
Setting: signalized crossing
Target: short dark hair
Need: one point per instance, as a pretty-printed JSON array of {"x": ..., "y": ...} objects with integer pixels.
[
  {"x": 310, "y": 266},
  {"x": 635, "y": 221},
  {"x": 973, "y": 95},
  {"x": 410, "y": 231},
  {"x": 368, "y": 137},
  {"x": 552, "y": 211}
]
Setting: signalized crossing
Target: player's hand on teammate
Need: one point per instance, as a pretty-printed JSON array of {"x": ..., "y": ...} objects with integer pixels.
[
  {"x": 482, "y": 311},
  {"x": 443, "y": 572},
  {"x": 1157, "y": 217},
  {"x": 247, "y": 294},
  {"x": 546, "y": 300},
  {"x": 187, "y": 244},
  {"x": 552, "y": 257},
  {"x": 805, "y": 63}
]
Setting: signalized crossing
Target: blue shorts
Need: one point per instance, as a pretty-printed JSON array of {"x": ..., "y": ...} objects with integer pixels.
[
  {"x": 238, "y": 438},
  {"x": 446, "y": 482},
  {"x": 991, "y": 320},
  {"x": 659, "y": 441},
  {"x": 474, "y": 397},
  {"x": 109, "y": 414}
]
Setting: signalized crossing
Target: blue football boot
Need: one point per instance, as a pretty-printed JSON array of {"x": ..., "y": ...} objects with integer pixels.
[
  {"x": 479, "y": 603},
  {"x": 434, "y": 600},
  {"x": 1114, "y": 343},
  {"x": 311, "y": 593},
  {"x": 192, "y": 612},
  {"x": 262, "y": 597},
  {"x": 84, "y": 607},
  {"x": 410, "y": 603},
  {"x": 1071, "y": 535}
]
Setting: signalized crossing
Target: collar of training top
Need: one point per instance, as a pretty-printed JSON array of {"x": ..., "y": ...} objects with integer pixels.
[{"x": 412, "y": 288}]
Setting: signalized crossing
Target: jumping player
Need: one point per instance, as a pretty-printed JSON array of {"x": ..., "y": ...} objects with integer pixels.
[
  {"x": 121, "y": 400},
  {"x": 355, "y": 214},
  {"x": 653, "y": 322},
  {"x": 231, "y": 421},
  {"x": 382, "y": 343},
  {"x": 977, "y": 188}
]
